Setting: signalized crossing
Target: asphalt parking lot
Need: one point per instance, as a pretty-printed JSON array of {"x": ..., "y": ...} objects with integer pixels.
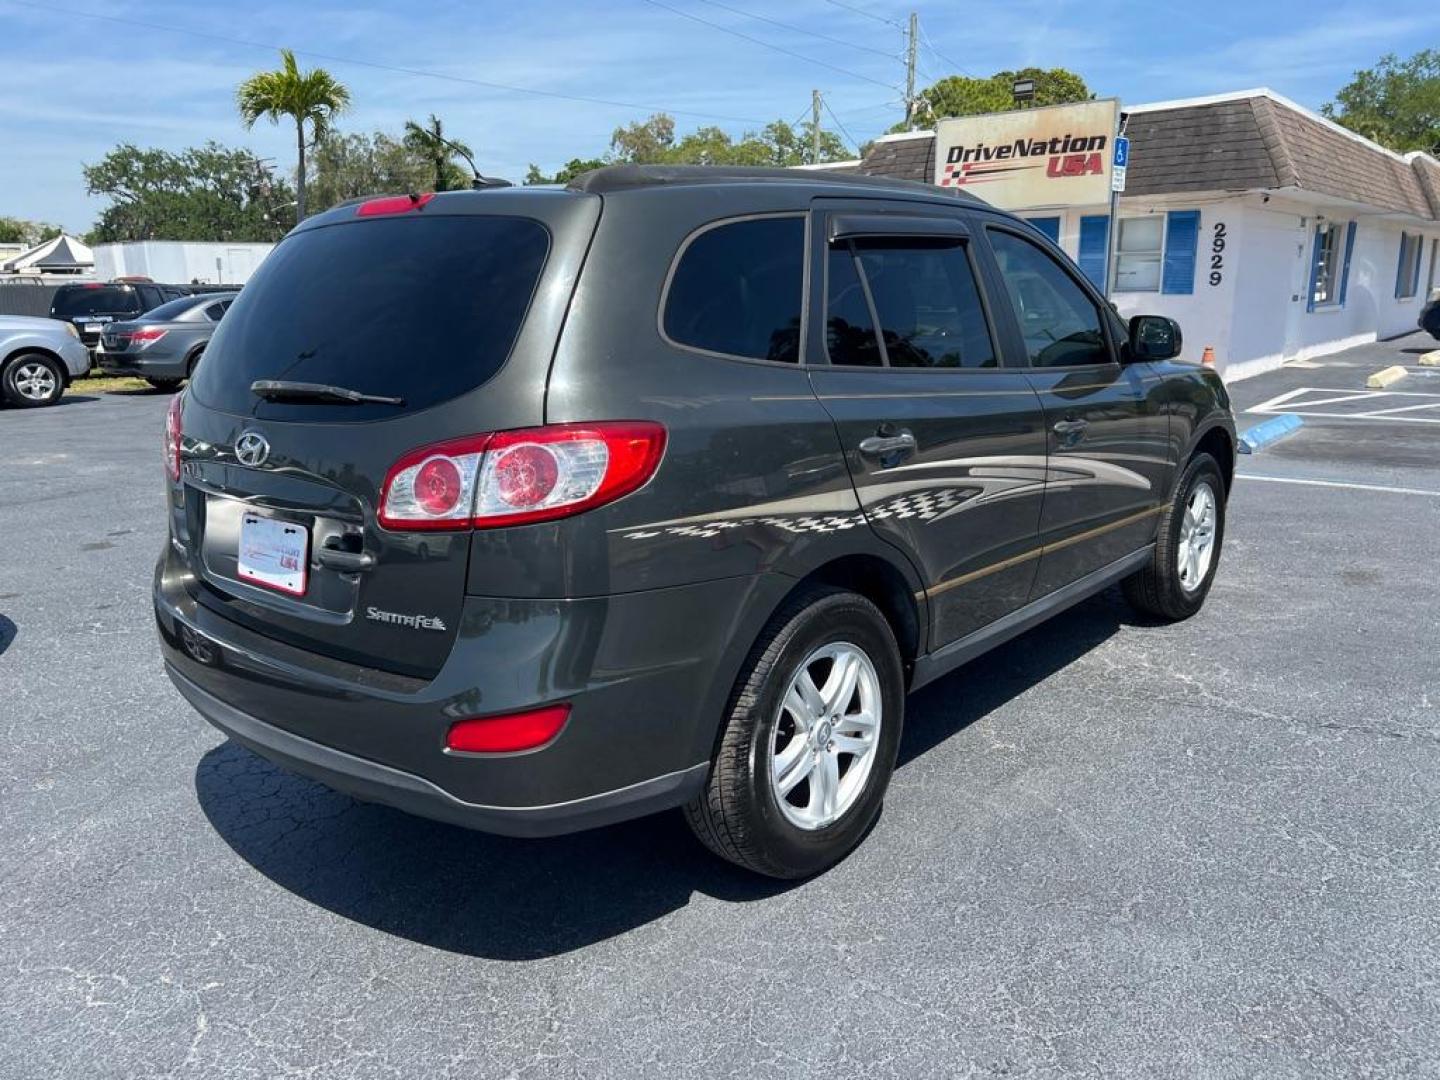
[{"x": 1111, "y": 849}]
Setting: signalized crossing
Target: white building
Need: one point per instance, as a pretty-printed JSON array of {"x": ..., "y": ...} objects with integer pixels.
[
  {"x": 1267, "y": 231},
  {"x": 180, "y": 262}
]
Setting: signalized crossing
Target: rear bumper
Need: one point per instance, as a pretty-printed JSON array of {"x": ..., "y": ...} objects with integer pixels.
[
  {"x": 374, "y": 782},
  {"x": 646, "y": 675},
  {"x": 138, "y": 364}
]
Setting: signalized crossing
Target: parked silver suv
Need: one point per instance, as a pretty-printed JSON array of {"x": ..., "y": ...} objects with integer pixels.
[{"x": 38, "y": 358}]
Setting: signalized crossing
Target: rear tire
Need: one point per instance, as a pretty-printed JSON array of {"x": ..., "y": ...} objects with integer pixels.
[
  {"x": 164, "y": 384},
  {"x": 32, "y": 380},
  {"x": 1174, "y": 584},
  {"x": 746, "y": 814}
]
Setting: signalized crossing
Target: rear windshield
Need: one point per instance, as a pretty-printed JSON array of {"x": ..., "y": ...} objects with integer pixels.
[
  {"x": 104, "y": 300},
  {"x": 173, "y": 309},
  {"x": 420, "y": 308}
]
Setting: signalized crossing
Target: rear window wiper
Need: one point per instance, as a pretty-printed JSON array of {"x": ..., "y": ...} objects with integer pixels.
[{"x": 284, "y": 390}]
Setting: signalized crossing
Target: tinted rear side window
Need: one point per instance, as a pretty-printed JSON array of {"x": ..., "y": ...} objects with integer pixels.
[
  {"x": 105, "y": 300},
  {"x": 419, "y": 308},
  {"x": 174, "y": 309},
  {"x": 738, "y": 290}
]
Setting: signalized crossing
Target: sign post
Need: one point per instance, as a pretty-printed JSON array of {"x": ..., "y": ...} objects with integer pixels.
[{"x": 1118, "y": 168}]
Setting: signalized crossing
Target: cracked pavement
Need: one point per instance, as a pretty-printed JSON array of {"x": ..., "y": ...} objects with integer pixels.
[{"x": 1110, "y": 849}]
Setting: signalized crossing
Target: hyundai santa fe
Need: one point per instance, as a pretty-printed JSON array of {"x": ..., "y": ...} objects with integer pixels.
[{"x": 536, "y": 509}]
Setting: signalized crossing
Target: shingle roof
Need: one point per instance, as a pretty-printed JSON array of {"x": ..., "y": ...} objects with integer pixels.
[
  {"x": 910, "y": 157},
  {"x": 1252, "y": 140}
]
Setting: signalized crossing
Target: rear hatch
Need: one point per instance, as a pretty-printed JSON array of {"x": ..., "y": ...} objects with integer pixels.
[
  {"x": 454, "y": 308},
  {"x": 92, "y": 307}
]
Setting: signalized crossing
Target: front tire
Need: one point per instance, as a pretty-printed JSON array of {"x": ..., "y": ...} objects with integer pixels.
[
  {"x": 1174, "y": 584},
  {"x": 810, "y": 739},
  {"x": 32, "y": 380}
]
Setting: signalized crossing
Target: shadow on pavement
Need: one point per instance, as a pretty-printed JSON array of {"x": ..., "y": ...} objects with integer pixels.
[
  {"x": 8, "y": 632},
  {"x": 509, "y": 899}
]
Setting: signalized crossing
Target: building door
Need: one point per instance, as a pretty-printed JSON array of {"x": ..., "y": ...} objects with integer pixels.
[
  {"x": 1108, "y": 457},
  {"x": 945, "y": 446}
]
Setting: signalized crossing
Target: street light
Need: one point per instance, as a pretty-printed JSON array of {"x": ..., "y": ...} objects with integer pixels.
[{"x": 1024, "y": 90}]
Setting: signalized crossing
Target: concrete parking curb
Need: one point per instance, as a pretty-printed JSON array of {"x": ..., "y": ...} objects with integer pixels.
[
  {"x": 1431, "y": 358},
  {"x": 1273, "y": 430},
  {"x": 1386, "y": 377}
]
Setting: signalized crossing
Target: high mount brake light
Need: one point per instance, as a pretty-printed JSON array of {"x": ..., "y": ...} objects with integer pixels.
[
  {"x": 172, "y": 437},
  {"x": 394, "y": 204},
  {"x": 520, "y": 477}
]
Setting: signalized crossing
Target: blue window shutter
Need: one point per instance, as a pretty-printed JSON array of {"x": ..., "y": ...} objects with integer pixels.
[
  {"x": 1182, "y": 234},
  {"x": 1345, "y": 266},
  {"x": 1314, "y": 268},
  {"x": 1094, "y": 243},
  {"x": 1419, "y": 257},
  {"x": 1047, "y": 226},
  {"x": 1400, "y": 268}
]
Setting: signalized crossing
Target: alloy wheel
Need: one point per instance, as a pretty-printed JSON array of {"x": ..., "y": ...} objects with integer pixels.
[
  {"x": 1196, "y": 548},
  {"x": 822, "y": 745},
  {"x": 35, "y": 381}
]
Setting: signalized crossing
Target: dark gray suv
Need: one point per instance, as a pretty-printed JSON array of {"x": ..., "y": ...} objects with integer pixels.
[{"x": 536, "y": 509}]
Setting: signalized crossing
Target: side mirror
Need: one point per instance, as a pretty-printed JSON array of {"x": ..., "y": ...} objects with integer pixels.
[{"x": 1154, "y": 337}]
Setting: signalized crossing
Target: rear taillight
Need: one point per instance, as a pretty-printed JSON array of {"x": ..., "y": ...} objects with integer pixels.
[
  {"x": 147, "y": 335},
  {"x": 520, "y": 477},
  {"x": 433, "y": 487},
  {"x": 507, "y": 734},
  {"x": 172, "y": 438}
]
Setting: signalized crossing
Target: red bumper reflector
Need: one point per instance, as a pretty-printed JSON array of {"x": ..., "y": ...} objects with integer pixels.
[{"x": 506, "y": 734}]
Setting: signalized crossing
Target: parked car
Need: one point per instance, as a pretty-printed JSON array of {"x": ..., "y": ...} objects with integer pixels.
[
  {"x": 1429, "y": 320},
  {"x": 38, "y": 358},
  {"x": 164, "y": 345},
  {"x": 680, "y": 513},
  {"x": 91, "y": 305}
]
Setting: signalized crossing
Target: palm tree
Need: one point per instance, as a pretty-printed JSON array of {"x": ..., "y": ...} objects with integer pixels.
[
  {"x": 314, "y": 96},
  {"x": 431, "y": 143}
]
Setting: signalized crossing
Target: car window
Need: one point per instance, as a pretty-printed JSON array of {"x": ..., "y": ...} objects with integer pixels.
[
  {"x": 94, "y": 300},
  {"x": 849, "y": 328},
  {"x": 175, "y": 309},
  {"x": 214, "y": 311},
  {"x": 927, "y": 303},
  {"x": 420, "y": 308},
  {"x": 1061, "y": 325},
  {"x": 738, "y": 290}
]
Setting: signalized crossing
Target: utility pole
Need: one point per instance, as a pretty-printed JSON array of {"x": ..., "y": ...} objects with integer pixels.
[
  {"x": 814, "y": 127},
  {"x": 911, "y": 47}
]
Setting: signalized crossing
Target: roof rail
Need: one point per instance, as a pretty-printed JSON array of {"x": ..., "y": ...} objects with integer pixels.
[{"x": 624, "y": 177}]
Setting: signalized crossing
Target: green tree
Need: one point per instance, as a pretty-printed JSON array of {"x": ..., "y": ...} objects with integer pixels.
[
  {"x": 431, "y": 143},
  {"x": 349, "y": 166},
  {"x": 312, "y": 97},
  {"x": 15, "y": 230},
  {"x": 209, "y": 192},
  {"x": 567, "y": 172},
  {"x": 1396, "y": 103},
  {"x": 960, "y": 95}
]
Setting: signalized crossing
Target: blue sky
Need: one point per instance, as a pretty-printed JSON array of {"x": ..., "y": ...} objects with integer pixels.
[{"x": 73, "y": 87}]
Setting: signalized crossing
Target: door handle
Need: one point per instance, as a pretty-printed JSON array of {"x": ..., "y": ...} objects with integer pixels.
[
  {"x": 1070, "y": 427},
  {"x": 347, "y": 562},
  {"x": 889, "y": 448}
]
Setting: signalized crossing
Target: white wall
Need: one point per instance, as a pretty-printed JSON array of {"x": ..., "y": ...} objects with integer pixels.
[{"x": 180, "y": 262}]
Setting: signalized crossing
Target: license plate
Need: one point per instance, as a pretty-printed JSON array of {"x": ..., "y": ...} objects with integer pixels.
[
  {"x": 94, "y": 327},
  {"x": 274, "y": 553}
]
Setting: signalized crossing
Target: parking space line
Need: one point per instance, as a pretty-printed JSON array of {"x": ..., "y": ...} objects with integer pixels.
[
  {"x": 1312, "y": 403},
  {"x": 1350, "y": 484},
  {"x": 1402, "y": 408}
]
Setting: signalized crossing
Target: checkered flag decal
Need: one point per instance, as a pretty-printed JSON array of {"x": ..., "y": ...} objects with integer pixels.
[{"x": 924, "y": 505}]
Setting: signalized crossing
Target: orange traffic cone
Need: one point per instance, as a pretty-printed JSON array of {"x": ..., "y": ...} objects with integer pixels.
[{"x": 1208, "y": 356}]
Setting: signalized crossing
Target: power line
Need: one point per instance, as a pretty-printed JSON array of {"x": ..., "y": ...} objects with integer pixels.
[
  {"x": 50, "y": 9},
  {"x": 867, "y": 14},
  {"x": 930, "y": 45},
  {"x": 800, "y": 30},
  {"x": 848, "y": 137},
  {"x": 767, "y": 45}
]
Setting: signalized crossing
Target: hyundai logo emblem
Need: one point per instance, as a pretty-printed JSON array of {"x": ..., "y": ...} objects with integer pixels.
[{"x": 252, "y": 449}]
